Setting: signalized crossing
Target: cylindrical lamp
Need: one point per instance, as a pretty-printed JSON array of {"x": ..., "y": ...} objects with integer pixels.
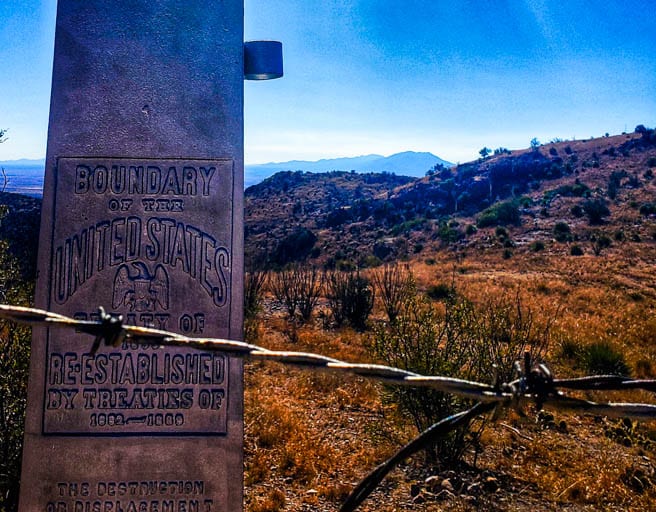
[{"x": 262, "y": 60}]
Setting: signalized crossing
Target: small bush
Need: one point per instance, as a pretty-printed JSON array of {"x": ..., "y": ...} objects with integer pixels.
[
  {"x": 395, "y": 285},
  {"x": 295, "y": 247},
  {"x": 537, "y": 246},
  {"x": 503, "y": 213},
  {"x": 470, "y": 229},
  {"x": 254, "y": 284},
  {"x": 501, "y": 233},
  {"x": 576, "y": 250},
  {"x": 569, "y": 350},
  {"x": 562, "y": 232},
  {"x": 596, "y": 210},
  {"x": 441, "y": 291},
  {"x": 603, "y": 358},
  {"x": 298, "y": 290},
  {"x": 460, "y": 340},
  {"x": 599, "y": 243},
  {"x": 577, "y": 211},
  {"x": 449, "y": 233},
  {"x": 350, "y": 298},
  {"x": 648, "y": 209}
]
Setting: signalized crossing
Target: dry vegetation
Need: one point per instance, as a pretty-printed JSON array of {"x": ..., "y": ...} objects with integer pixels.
[
  {"x": 579, "y": 252},
  {"x": 310, "y": 437}
]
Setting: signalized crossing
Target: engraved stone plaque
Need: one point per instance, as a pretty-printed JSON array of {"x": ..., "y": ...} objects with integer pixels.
[
  {"x": 137, "y": 243},
  {"x": 142, "y": 215}
]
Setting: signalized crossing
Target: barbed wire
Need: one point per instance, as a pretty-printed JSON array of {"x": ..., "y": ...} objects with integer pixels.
[{"x": 534, "y": 383}]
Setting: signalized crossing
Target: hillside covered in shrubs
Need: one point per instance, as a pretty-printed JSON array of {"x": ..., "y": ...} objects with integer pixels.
[{"x": 564, "y": 196}]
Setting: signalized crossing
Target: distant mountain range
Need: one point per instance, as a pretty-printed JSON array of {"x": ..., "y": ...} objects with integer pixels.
[
  {"x": 23, "y": 177},
  {"x": 408, "y": 163},
  {"x": 23, "y": 163}
]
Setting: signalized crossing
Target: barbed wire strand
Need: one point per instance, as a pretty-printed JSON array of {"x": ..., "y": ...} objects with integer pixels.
[{"x": 534, "y": 384}]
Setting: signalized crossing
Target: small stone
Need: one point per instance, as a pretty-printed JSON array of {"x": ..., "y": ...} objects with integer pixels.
[
  {"x": 420, "y": 498},
  {"x": 491, "y": 484},
  {"x": 312, "y": 491},
  {"x": 433, "y": 482},
  {"x": 447, "y": 485}
]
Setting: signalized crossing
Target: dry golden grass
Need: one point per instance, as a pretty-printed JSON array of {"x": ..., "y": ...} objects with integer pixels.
[{"x": 311, "y": 437}]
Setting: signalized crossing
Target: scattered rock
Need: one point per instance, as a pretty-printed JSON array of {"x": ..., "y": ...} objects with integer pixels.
[
  {"x": 447, "y": 485},
  {"x": 491, "y": 484}
]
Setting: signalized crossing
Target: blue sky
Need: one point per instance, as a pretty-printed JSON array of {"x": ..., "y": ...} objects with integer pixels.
[{"x": 383, "y": 76}]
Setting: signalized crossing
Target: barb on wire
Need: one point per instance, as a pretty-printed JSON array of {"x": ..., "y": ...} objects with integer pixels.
[{"x": 535, "y": 383}]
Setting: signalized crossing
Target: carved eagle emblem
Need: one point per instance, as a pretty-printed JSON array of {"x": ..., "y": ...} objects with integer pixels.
[{"x": 140, "y": 290}]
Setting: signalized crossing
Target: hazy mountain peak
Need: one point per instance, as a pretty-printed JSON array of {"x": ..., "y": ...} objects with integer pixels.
[{"x": 406, "y": 163}]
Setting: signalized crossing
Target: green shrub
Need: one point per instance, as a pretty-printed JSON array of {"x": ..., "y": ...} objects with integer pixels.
[
  {"x": 254, "y": 284},
  {"x": 603, "y": 358},
  {"x": 648, "y": 209},
  {"x": 294, "y": 247},
  {"x": 537, "y": 246},
  {"x": 441, "y": 291},
  {"x": 577, "y": 211},
  {"x": 501, "y": 232},
  {"x": 599, "y": 243},
  {"x": 503, "y": 213},
  {"x": 461, "y": 340},
  {"x": 576, "y": 250},
  {"x": 562, "y": 232},
  {"x": 449, "y": 233},
  {"x": 596, "y": 210}
]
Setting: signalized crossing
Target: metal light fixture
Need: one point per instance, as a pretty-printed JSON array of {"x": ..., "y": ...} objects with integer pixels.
[{"x": 262, "y": 60}]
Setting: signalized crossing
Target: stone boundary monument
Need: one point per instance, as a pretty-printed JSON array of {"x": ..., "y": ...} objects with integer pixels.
[{"x": 142, "y": 215}]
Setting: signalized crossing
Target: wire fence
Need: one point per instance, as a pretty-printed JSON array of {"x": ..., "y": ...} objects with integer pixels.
[{"x": 534, "y": 383}]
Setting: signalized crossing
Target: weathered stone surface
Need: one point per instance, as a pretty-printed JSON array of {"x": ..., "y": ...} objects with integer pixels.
[{"x": 142, "y": 215}]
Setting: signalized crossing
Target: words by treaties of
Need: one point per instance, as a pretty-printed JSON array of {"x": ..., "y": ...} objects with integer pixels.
[
  {"x": 133, "y": 496},
  {"x": 149, "y": 390}
]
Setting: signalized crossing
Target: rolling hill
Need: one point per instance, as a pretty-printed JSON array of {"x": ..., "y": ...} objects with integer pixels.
[{"x": 593, "y": 188}]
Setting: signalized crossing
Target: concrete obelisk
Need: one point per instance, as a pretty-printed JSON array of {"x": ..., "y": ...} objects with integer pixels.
[{"x": 142, "y": 215}]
